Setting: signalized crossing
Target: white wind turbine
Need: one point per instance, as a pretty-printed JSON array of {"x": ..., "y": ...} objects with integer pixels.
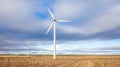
[
  {"x": 28, "y": 44},
  {"x": 53, "y": 24}
]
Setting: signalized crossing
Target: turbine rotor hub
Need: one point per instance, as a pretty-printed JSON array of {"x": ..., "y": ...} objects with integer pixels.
[{"x": 54, "y": 20}]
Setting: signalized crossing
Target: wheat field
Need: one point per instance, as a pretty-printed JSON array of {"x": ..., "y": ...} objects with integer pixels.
[{"x": 61, "y": 61}]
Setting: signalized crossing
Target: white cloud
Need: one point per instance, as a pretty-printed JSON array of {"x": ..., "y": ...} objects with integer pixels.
[
  {"x": 68, "y": 29},
  {"x": 84, "y": 45},
  {"x": 106, "y": 21},
  {"x": 68, "y": 8},
  {"x": 19, "y": 15}
]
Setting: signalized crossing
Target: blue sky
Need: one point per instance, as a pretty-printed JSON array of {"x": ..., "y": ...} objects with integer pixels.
[{"x": 95, "y": 26}]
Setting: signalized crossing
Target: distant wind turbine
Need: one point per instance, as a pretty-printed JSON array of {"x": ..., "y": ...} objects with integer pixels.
[
  {"x": 28, "y": 44},
  {"x": 53, "y": 24}
]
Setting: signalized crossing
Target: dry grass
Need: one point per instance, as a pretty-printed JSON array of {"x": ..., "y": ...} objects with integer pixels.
[{"x": 62, "y": 61}]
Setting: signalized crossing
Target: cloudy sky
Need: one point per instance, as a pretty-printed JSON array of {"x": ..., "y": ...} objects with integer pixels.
[{"x": 95, "y": 26}]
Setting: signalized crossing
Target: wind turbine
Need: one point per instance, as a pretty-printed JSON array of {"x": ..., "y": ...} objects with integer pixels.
[
  {"x": 28, "y": 44},
  {"x": 53, "y": 24}
]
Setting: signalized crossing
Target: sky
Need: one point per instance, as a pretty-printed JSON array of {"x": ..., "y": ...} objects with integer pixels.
[{"x": 95, "y": 27}]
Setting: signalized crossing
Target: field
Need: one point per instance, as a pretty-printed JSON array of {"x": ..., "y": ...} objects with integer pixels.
[{"x": 61, "y": 61}]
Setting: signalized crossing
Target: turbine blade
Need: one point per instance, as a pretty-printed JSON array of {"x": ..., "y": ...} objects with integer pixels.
[
  {"x": 49, "y": 28},
  {"x": 51, "y": 14},
  {"x": 63, "y": 20}
]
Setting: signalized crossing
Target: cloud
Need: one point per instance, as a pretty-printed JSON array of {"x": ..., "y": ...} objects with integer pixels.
[
  {"x": 18, "y": 19},
  {"x": 99, "y": 25},
  {"x": 95, "y": 26},
  {"x": 19, "y": 15},
  {"x": 39, "y": 47},
  {"x": 21, "y": 20},
  {"x": 68, "y": 8},
  {"x": 107, "y": 21},
  {"x": 112, "y": 48}
]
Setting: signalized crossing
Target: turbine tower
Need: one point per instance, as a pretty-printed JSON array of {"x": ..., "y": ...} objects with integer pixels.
[{"x": 53, "y": 24}]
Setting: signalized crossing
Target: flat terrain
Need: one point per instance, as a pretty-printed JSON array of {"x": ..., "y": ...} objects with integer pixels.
[{"x": 61, "y": 61}]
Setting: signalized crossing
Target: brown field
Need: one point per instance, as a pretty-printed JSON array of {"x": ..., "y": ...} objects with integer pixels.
[{"x": 61, "y": 61}]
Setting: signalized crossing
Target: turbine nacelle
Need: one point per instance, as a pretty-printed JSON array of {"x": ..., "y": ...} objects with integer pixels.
[{"x": 55, "y": 20}]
